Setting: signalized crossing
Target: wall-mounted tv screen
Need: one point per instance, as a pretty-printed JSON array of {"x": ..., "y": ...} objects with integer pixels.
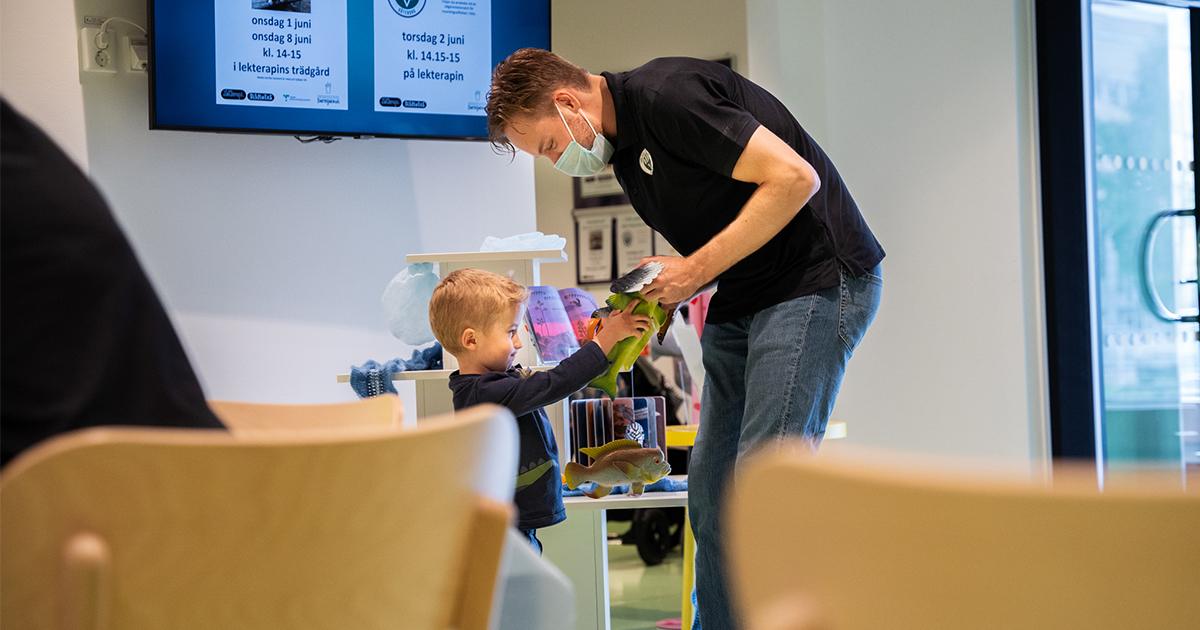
[{"x": 409, "y": 68}]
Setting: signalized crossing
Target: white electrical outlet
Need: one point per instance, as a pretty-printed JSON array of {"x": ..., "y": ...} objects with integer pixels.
[
  {"x": 137, "y": 51},
  {"x": 91, "y": 58}
]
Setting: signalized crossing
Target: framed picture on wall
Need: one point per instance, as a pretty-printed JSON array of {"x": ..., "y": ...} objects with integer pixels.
[
  {"x": 634, "y": 241},
  {"x": 600, "y": 190},
  {"x": 594, "y": 247},
  {"x": 610, "y": 242}
]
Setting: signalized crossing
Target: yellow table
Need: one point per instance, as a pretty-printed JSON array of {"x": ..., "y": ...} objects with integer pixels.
[{"x": 685, "y": 435}]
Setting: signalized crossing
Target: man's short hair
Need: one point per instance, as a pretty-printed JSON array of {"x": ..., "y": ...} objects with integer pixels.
[
  {"x": 522, "y": 88},
  {"x": 471, "y": 298}
]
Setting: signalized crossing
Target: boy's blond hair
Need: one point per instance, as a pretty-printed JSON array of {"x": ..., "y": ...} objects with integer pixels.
[{"x": 471, "y": 298}]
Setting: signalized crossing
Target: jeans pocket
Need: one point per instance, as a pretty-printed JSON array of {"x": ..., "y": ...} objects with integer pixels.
[{"x": 859, "y": 303}]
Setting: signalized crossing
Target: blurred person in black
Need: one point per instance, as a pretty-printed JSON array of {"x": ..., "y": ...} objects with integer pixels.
[{"x": 86, "y": 341}]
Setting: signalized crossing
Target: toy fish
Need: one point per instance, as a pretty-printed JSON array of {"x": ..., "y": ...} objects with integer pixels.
[
  {"x": 601, "y": 313},
  {"x": 633, "y": 281},
  {"x": 625, "y": 352},
  {"x": 618, "y": 463}
]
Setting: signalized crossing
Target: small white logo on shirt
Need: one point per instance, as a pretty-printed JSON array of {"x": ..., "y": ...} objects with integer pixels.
[{"x": 646, "y": 162}]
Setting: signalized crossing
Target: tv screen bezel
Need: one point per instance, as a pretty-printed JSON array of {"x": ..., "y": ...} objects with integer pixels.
[{"x": 156, "y": 126}]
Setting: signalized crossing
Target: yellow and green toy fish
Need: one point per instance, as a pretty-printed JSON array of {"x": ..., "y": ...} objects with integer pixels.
[
  {"x": 625, "y": 352},
  {"x": 618, "y": 463}
]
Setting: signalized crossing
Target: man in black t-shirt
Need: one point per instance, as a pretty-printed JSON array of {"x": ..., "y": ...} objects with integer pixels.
[
  {"x": 86, "y": 341},
  {"x": 720, "y": 168}
]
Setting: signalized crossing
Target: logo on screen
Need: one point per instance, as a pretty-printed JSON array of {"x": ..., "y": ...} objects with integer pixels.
[{"x": 407, "y": 8}]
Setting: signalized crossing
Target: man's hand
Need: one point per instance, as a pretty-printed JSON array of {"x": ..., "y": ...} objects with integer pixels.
[{"x": 679, "y": 280}]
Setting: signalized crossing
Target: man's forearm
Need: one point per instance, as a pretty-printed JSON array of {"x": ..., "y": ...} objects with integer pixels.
[
  {"x": 767, "y": 212},
  {"x": 785, "y": 182}
]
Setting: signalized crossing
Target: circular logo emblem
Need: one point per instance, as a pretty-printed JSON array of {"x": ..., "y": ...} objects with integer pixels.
[
  {"x": 407, "y": 8},
  {"x": 646, "y": 162}
]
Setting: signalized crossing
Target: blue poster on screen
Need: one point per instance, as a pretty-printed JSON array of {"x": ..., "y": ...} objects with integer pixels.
[
  {"x": 282, "y": 53},
  {"x": 433, "y": 56}
]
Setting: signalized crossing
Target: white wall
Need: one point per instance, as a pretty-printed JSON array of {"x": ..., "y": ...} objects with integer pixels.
[
  {"x": 38, "y": 70},
  {"x": 270, "y": 255},
  {"x": 927, "y": 108}
]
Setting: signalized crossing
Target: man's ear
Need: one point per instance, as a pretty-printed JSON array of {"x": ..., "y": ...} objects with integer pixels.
[
  {"x": 468, "y": 340},
  {"x": 567, "y": 99}
]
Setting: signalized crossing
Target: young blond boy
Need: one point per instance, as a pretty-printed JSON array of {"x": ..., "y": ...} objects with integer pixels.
[{"x": 475, "y": 316}]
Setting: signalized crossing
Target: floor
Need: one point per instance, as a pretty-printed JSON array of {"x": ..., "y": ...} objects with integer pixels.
[{"x": 641, "y": 596}]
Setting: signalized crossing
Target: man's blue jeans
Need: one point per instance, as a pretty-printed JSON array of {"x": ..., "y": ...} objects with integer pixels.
[{"x": 771, "y": 376}]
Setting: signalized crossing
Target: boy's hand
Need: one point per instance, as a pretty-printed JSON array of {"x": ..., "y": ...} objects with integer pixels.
[{"x": 621, "y": 325}]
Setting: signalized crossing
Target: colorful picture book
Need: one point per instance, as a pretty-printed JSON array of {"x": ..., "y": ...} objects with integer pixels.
[
  {"x": 598, "y": 421},
  {"x": 558, "y": 321},
  {"x": 580, "y": 305}
]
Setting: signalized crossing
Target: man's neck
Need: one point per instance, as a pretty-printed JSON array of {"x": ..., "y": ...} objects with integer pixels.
[{"x": 608, "y": 113}]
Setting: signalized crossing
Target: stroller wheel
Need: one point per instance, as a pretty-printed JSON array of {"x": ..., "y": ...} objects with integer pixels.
[{"x": 653, "y": 535}]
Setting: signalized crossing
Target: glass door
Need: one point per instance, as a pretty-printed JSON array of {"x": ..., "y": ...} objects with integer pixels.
[{"x": 1143, "y": 232}]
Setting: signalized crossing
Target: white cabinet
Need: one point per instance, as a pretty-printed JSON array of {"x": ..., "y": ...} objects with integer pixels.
[{"x": 433, "y": 392}]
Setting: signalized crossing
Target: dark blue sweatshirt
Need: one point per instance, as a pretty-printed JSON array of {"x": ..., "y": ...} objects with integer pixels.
[{"x": 524, "y": 393}]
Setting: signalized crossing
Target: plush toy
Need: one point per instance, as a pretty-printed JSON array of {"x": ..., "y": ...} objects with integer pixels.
[{"x": 617, "y": 463}]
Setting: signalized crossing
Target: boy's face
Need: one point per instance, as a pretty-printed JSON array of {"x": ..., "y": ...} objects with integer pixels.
[{"x": 498, "y": 346}]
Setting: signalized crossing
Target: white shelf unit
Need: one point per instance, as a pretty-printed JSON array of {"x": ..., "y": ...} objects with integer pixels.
[
  {"x": 524, "y": 266},
  {"x": 433, "y": 393}
]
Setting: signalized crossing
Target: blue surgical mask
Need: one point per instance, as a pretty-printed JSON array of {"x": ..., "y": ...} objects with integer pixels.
[{"x": 579, "y": 162}]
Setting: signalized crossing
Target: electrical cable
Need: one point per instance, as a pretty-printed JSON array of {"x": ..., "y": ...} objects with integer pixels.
[
  {"x": 102, "y": 36},
  {"x": 325, "y": 139}
]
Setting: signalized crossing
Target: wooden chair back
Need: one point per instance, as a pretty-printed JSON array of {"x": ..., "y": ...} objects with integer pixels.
[
  {"x": 853, "y": 544},
  {"x": 245, "y": 418},
  {"x": 188, "y": 529}
]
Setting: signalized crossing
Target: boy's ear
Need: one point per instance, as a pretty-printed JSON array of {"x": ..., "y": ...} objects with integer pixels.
[{"x": 468, "y": 340}]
